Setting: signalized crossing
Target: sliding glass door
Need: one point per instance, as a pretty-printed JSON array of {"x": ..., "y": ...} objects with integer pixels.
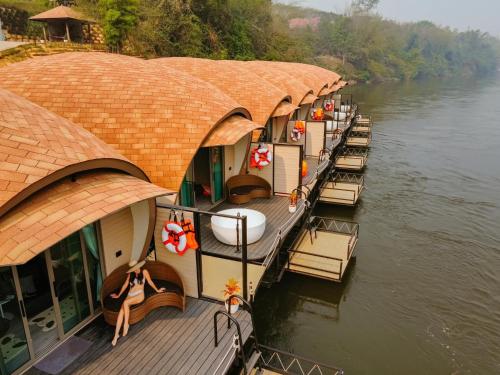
[
  {"x": 48, "y": 298},
  {"x": 14, "y": 350},
  {"x": 70, "y": 281},
  {"x": 38, "y": 302}
]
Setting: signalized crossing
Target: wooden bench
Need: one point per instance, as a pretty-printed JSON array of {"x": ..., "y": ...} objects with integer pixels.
[
  {"x": 162, "y": 274},
  {"x": 245, "y": 187}
]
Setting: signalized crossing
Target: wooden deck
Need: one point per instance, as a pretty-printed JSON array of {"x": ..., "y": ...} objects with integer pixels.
[
  {"x": 326, "y": 257},
  {"x": 344, "y": 193},
  {"x": 361, "y": 129},
  {"x": 356, "y": 141},
  {"x": 167, "y": 341},
  {"x": 350, "y": 162},
  {"x": 278, "y": 223}
]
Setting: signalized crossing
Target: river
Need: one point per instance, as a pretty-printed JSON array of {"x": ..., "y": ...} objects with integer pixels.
[{"x": 423, "y": 296}]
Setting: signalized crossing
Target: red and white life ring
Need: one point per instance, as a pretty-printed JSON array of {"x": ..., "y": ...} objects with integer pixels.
[
  {"x": 328, "y": 106},
  {"x": 174, "y": 238},
  {"x": 261, "y": 157}
]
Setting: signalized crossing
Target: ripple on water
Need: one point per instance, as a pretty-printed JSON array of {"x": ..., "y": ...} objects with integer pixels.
[{"x": 424, "y": 294}]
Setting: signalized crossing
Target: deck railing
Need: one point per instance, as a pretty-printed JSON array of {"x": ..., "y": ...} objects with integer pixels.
[
  {"x": 344, "y": 177},
  {"x": 241, "y": 235},
  {"x": 287, "y": 363}
]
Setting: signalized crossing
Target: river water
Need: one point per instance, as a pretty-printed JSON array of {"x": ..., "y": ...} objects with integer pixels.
[{"x": 423, "y": 296}]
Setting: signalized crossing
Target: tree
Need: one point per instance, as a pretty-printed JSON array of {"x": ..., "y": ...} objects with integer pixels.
[
  {"x": 119, "y": 17},
  {"x": 363, "y": 6}
]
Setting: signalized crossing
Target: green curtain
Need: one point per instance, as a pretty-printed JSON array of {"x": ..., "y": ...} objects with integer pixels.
[
  {"x": 91, "y": 243},
  {"x": 218, "y": 183}
]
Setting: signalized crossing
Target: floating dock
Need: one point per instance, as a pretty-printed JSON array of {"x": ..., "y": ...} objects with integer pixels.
[
  {"x": 342, "y": 188},
  {"x": 351, "y": 159},
  {"x": 324, "y": 249}
]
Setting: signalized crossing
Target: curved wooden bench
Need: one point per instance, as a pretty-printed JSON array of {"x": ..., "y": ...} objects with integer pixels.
[
  {"x": 162, "y": 274},
  {"x": 245, "y": 187}
]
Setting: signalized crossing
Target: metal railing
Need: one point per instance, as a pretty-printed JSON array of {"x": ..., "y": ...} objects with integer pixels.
[
  {"x": 335, "y": 178},
  {"x": 287, "y": 363},
  {"x": 238, "y": 330},
  {"x": 241, "y": 235}
]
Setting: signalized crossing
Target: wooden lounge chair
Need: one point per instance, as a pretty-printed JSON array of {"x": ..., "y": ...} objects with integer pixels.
[
  {"x": 163, "y": 276},
  {"x": 245, "y": 187}
]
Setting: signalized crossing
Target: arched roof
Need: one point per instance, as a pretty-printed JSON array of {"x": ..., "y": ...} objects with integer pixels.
[
  {"x": 307, "y": 74},
  {"x": 294, "y": 87},
  {"x": 38, "y": 147},
  {"x": 156, "y": 116},
  {"x": 256, "y": 94}
]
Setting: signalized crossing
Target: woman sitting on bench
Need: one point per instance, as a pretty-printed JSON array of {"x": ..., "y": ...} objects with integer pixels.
[{"x": 135, "y": 282}]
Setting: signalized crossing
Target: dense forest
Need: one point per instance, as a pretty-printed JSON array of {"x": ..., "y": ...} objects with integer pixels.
[{"x": 360, "y": 44}]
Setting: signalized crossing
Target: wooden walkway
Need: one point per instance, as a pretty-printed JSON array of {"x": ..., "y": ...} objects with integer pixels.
[
  {"x": 167, "y": 341},
  {"x": 278, "y": 223}
]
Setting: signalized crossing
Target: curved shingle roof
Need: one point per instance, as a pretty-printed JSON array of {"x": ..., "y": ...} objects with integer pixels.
[
  {"x": 154, "y": 115},
  {"x": 272, "y": 73},
  {"x": 256, "y": 94},
  {"x": 38, "y": 147},
  {"x": 312, "y": 76}
]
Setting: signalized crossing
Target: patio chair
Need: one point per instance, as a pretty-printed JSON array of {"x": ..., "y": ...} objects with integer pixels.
[{"x": 245, "y": 187}]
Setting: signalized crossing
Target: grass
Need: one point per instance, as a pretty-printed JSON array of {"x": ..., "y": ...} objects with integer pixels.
[{"x": 31, "y": 6}]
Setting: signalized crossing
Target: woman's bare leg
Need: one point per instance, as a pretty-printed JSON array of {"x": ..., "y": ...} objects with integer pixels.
[
  {"x": 119, "y": 322},
  {"x": 126, "y": 309}
]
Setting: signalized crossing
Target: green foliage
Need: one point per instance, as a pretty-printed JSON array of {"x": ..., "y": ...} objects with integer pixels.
[
  {"x": 119, "y": 17},
  {"x": 360, "y": 45}
]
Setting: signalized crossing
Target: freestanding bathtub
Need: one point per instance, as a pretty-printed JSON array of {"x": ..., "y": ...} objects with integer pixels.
[{"x": 224, "y": 228}]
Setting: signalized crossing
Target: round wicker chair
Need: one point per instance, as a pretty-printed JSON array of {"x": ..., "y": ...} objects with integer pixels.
[{"x": 162, "y": 274}]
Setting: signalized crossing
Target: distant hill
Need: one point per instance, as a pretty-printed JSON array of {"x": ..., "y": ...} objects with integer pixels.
[{"x": 363, "y": 47}]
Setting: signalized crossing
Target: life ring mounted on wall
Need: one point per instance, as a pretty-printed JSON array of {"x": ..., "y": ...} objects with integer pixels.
[
  {"x": 174, "y": 238},
  {"x": 261, "y": 157},
  {"x": 328, "y": 105}
]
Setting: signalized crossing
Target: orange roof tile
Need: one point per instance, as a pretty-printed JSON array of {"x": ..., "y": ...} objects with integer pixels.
[
  {"x": 230, "y": 131},
  {"x": 37, "y": 146},
  {"x": 288, "y": 82},
  {"x": 60, "y": 12},
  {"x": 64, "y": 207},
  {"x": 284, "y": 109},
  {"x": 156, "y": 116},
  {"x": 309, "y": 99},
  {"x": 256, "y": 94}
]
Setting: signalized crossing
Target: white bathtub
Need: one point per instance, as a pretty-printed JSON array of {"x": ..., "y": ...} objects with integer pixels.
[{"x": 224, "y": 228}]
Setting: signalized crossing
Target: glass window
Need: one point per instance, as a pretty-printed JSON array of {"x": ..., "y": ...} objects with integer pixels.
[
  {"x": 70, "y": 285},
  {"x": 13, "y": 346}
]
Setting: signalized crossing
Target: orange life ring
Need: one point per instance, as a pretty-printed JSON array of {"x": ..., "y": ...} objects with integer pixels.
[
  {"x": 174, "y": 238},
  {"x": 261, "y": 157},
  {"x": 317, "y": 114}
]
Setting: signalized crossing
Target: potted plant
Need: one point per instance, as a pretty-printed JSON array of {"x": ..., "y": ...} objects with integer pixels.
[{"x": 232, "y": 287}]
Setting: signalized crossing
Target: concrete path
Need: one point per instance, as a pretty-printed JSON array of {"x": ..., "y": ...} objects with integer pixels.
[{"x": 7, "y": 45}]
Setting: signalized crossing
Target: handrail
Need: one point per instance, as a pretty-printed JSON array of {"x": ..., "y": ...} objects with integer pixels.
[
  {"x": 283, "y": 362},
  {"x": 238, "y": 329},
  {"x": 248, "y": 308}
]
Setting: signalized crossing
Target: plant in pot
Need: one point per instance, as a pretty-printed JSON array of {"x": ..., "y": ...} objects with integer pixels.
[{"x": 232, "y": 287}]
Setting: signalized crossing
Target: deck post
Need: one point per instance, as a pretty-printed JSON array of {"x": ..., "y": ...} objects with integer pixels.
[
  {"x": 244, "y": 259},
  {"x": 199, "y": 263}
]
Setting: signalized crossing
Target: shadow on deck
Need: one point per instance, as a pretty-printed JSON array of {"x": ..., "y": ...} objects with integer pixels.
[{"x": 167, "y": 341}]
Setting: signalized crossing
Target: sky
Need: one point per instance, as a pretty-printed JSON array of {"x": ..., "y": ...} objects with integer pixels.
[{"x": 457, "y": 14}]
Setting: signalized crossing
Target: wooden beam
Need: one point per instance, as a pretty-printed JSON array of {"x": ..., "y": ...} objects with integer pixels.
[
  {"x": 67, "y": 31},
  {"x": 44, "y": 33}
]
